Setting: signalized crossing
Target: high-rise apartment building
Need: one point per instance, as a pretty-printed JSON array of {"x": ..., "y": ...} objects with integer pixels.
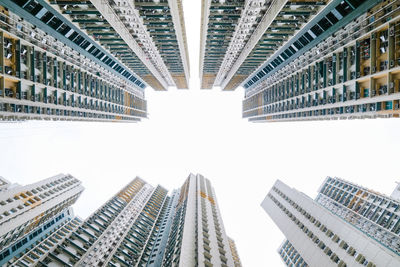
[
  {"x": 27, "y": 213},
  {"x": 142, "y": 226},
  {"x": 29, "y": 241},
  {"x": 346, "y": 225},
  {"x": 304, "y": 60},
  {"x": 343, "y": 64},
  {"x": 197, "y": 236},
  {"x": 237, "y": 36},
  {"x": 88, "y": 60}
]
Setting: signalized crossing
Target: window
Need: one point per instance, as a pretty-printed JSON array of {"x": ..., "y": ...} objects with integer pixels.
[
  {"x": 328, "y": 251},
  {"x": 324, "y": 24},
  {"x": 336, "y": 238}
]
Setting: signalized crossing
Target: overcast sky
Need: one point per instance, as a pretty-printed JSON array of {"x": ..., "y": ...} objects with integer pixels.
[{"x": 203, "y": 132}]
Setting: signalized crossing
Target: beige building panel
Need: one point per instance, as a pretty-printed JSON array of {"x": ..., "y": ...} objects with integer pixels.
[
  {"x": 154, "y": 83},
  {"x": 235, "y": 82},
  {"x": 207, "y": 81},
  {"x": 180, "y": 81}
]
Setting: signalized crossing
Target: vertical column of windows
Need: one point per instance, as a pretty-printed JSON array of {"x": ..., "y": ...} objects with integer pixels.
[
  {"x": 217, "y": 225},
  {"x": 33, "y": 196},
  {"x": 358, "y": 257},
  {"x": 370, "y": 212},
  {"x": 85, "y": 236},
  {"x": 173, "y": 249},
  {"x": 39, "y": 58},
  {"x": 48, "y": 250},
  {"x": 290, "y": 255},
  {"x": 340, "y": 82}
]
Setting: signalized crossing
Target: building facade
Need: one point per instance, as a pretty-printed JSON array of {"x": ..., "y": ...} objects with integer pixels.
[
  {"x": 302, "y": 60},
  {"x": 141, "y": 226},
  {"x": 27, "y": 213},
  {"x": 343, "y": 64},
  {"x": 197, "y": 236},
  {"x": 373, "y": 213},
  {"x": 237, "y": 36},
  {"x": 235, "y": 254},
  {"x": 39, "y": 233},
  {"x": 290, "y": 256},
  {"x": 63, "y": 60},
  {"x": 346, "y": 225}
]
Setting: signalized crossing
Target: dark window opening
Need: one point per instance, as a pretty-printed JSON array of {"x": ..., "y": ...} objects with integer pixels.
[
  {"x": 332, "y": 18},
  {"x": 303, "y": 40},
  {"x": 63, "y": 29},
  {"x": 288, "y": 52},
  {"x": 47, "y": 17},
  {"x": 79, "y": 40},
  {"x": 317, "y": 30},
  {"x": 55, "y": 23},
  {"x": 105, "y": 59},
  {"x": 324, "y": 24},
  {"x": 33, "y": 7},
  {"x": 99, "y": 56},
  {"x": 292, "y": 50},
  {"x": 91, "y": 49},
  {"x": 85, "y": 44},
  {"x": 95, "y": 52},
  {"x": 284, "y": 55},
  {"x": 308, "y": 37},
  {"x": 343, "y": 8},
  {"x": 73, "y": 36}
]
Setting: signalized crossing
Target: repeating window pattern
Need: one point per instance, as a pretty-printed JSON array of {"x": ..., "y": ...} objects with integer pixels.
[
  {"x": 290, "y": 256},
  {"x": 351, "y": 74},
  {"x": 167, "y": 215},
  {"x": 173, "y": 248},
  {"x": 302, "y": 215},
  {"x": 44, "y": 79},
  {"x": 288, "y": 18},
  {"x": 24, "y": 208},
  {"x": 35, "y": 236},
  {"x": 211, "y": 246},
  {"x": 372, "y": 213},
  {"x": 48, "y": 249},
  {"x": 136, "y": 247},
  {"x": 138, "y": 226},
  {"x": 111, "y": 229},
  {"x": 66, "y": 31},
  {"x": 235, "y": 254},
  {"x": 101, "y": 229},
  {"x": 217, "y": 30}
]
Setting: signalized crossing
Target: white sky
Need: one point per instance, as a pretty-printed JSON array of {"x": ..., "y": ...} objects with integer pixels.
[{"x": 203, "y": 132}]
